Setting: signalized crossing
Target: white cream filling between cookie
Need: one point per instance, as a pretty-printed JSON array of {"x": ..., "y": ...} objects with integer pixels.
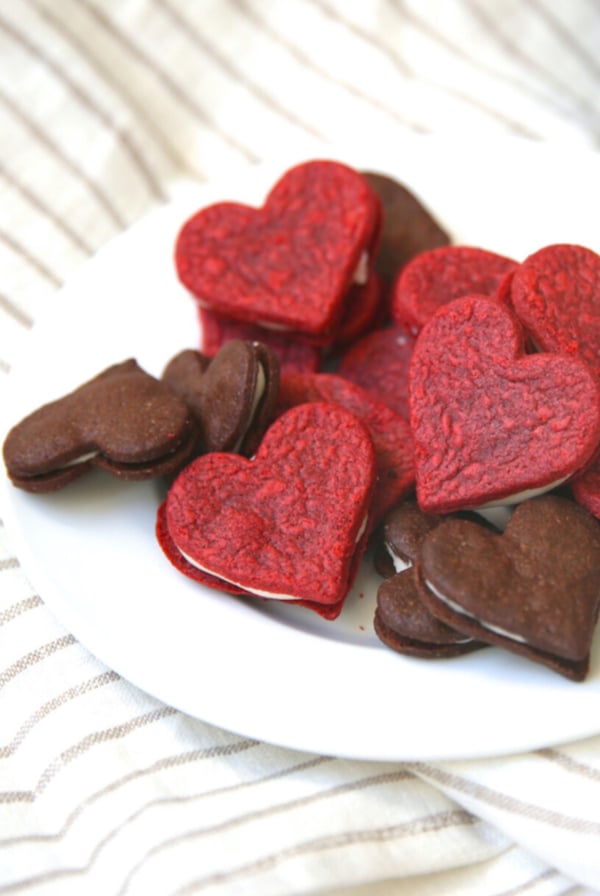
[
  {"x": 458, "y": 609},
  {"x": 80, "y": 460},
  {"x": 270, "y": 595},
  {"x": 361, "y": 271},
  {"x": 400, "y": 564},
  {"x": 519, "y": 497}
]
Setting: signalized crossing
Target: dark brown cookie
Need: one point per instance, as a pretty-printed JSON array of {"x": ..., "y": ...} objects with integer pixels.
[
  {"x": 403, "y": 530},
  {"x": 408, "y": 227},
  {"x": 124, "y": 421},
  {"x": 534, "y": 590},
  {"x": 406, "y": 525},
  {"x": 403, "y": 623},
  {"x": 232, "y": 396}
]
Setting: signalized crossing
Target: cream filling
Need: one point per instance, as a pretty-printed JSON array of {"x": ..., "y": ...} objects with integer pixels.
[
  {"x": 458, "y": 609},
  {"x": 259, "y": 391},
  {"x": 522, "y": 496},
  {"x": 80, "y": 460},
  {"x": 400, "y": 564},
  {"x": 270, "y": 595},
  {"x": 361, "y": 271}
]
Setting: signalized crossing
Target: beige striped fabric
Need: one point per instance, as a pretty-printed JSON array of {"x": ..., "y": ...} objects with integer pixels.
[{"x": 106, "y": 110}]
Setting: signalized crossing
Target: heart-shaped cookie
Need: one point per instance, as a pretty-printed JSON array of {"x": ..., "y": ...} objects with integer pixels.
[
  {"x": 232, "y": 396},
  {"x": 379, "y": 362},
  {"x": 124, "y": 421},
  {"x": 392, "y": 439},
  {"x": 402, "y": 622},
  {"x": 289, "y": 524},
  {"x": 555, "y": 295},
  {"x": 408, "y": 226},
  {"x": 294, "y": 355},
  {"x": 534, "y": 589},
  {"x": 434, "y": 278},
  {"x": 489, "y": 422},
  {"x": 289, "y": 264}
]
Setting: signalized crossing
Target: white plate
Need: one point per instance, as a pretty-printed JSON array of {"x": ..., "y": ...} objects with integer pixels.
[{"x": 280, "y": 673}]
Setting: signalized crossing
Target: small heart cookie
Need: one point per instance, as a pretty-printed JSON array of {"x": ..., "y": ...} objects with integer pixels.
[
  {"x": 434, "y": 278},
  {"x": 379, "y": 363},
  {"x": 554, "y": 292},
  {"x": 294, "y": 355},
  {"x": 534, "y": 589},
  {"x": 289, "y": 264},
  {"x": 290, "y": 524},
  {"x": 403, "y": 622},
  {"x": 390, "y": 433},
  {"x": 124, "y": 421},
  {"x": 232, "y": 396},
  {"x": 490, "y": 423}
]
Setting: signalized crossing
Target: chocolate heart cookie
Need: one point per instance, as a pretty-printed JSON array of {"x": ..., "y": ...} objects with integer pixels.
[
  {"x": 533, "y": 590},
  {"x": 124, "y": 421}
]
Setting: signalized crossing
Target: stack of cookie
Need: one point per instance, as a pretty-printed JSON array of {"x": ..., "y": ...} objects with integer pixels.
[{"x": 359, "y": 381}]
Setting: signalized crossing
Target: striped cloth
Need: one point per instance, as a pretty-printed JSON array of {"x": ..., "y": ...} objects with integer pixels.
[{"x": 106, "y": 109}]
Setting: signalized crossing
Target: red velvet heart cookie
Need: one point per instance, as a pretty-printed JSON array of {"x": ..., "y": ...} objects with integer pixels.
[
  {"x": 294, "y": 355},
  {"x": 489, "y": 422},
  {"x": 289, "y": 264},
  {"x": 327, "y": 611},
  {"x": 434, "y": 278},
  {"x": 534, "y": 590},
  {"x": 390, "y": 433},
  {"x": 379, "y": 363},
  {"x": 289, "y": 524},
  {"x": 555, "y": 293}
]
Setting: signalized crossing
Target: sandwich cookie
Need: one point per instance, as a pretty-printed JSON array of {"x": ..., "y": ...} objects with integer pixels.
[{"x": 124, "y": 421}]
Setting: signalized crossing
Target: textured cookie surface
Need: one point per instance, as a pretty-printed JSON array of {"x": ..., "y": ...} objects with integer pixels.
[
  {"x": 379, "y": 362},
  {"x": 555, "y": 294},
  {"x": 290, "y": 263},
  {"x": 434, "y": 278},
  {"x": 294, "y": 355},
  {"x": 288, "y": 524},
  {"x": 390, "y": 433},
  {"x": 488, "y": 421}
]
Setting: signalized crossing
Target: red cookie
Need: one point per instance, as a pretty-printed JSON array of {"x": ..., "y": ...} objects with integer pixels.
[
  {"x": 291, "y": 523},
  {"x": 533, "y": 590},
  {"x": 489, "y": 422},
  {"x": 555, "y": 295},
  {"x": 391, "y": 435},
  {"x": 327, "y": 611},
  {"x": 434, "y": 278},
  {"x": 379, "y": 363},
  {"x": 294, "y": 355},
  {"x": 360, "y": 310},
  {"x": 289, "y": 264},
  {"x": 586, "y": 488}
]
